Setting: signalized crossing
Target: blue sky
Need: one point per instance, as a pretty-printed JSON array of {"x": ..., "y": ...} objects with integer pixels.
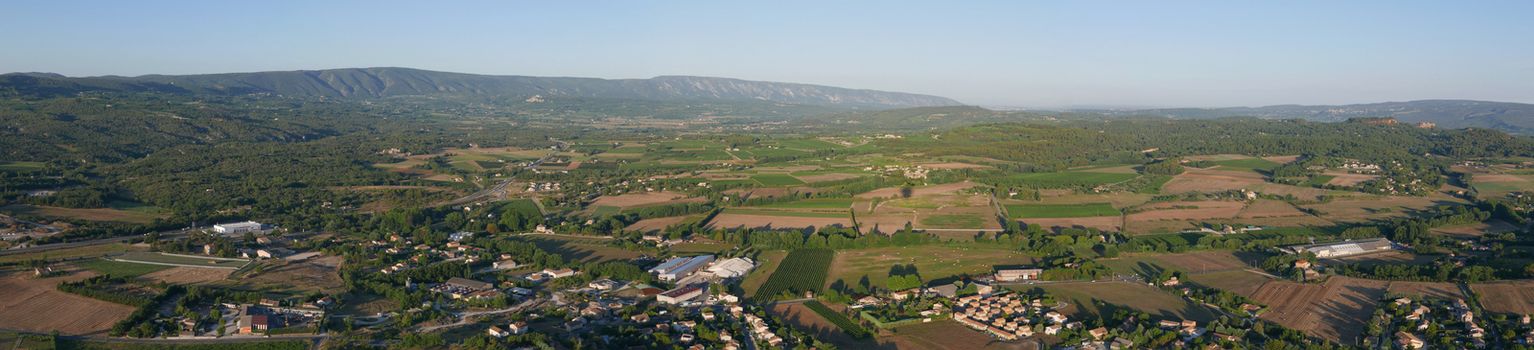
[{"x": 1015, "y": 53}]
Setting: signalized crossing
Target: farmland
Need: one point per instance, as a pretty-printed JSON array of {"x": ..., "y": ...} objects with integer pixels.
[
  {"x": 769, "y": 260},
  {"x": 579, "y": 248},
  {"x": 120, "y": 269},
  {"x": 1081, "y": 297},
  {"x": 138, "y": 214},
  {"x": 776, "y": 180},
  {"x": 802, "y": 270},
  {"x": 848, "y": 326},
  {"x": 931, "y": 262},
  {"x": 1335, "y": 311},
  {"x": 32, "y": 304},
  {"x": 1071, "y": 179},
  {"x": 1515, "y": 297},
  {"x": 1029, "y": 211}
]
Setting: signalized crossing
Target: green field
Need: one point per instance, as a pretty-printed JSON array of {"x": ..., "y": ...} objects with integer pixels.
[
  {"x": 22, "y": 166},
  {"x": 802, "y": 214},
  {"x": 841, "y": 321},
  {"x": 1248, "y": 163},
  {"x": 120, "y": 269},
  {"x": 605, "y": 210},
  {"x": 523, "y": 206},
  {"x": 932, "y": 262},
  {"x": 815, "y": 203},
  {"x": 776, "y": 180},
  {"x": 1071, "y": 179},
  {"x": 768, "y": 262},
  {"x": 1319, "y": 180},
  {"x": 1084, "y": 298},
  {"x": 580, "y": 249},
  {"x": 166, "y": 259},
  {"x": 1039, "y": 211},
  {"x": 954, "y": 221},
  {"x": 802, "y": 270},
  {"x": 807, "y": 144}
]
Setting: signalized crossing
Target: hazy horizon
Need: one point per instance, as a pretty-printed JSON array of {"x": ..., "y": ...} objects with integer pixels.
[{"x": 1165, "y": 54}]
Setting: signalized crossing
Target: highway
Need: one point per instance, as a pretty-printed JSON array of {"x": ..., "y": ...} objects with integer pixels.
[{"x": 47, "y": 247}]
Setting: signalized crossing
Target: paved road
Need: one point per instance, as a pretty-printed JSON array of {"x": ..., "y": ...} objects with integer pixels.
[{"x": 499, "y": 189}]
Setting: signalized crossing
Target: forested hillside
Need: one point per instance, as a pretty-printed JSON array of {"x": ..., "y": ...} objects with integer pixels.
[
  {"x": 387, "y": 82},
  {"x": 1454, "y": 114}
]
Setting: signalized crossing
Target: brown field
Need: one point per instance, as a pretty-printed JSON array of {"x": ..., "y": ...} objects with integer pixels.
[
  {"x": 76, "y": 252},
  {"x": 1442, "y": 290},
  {"x": 1267, "y": 208},
  {"x": 1335, "y": 311},
  {"x": 1200, "y": 262},
  {"x": 729, "y": 220},
  {"x": 655, "y": 224},
  {"x": 1306, "y": 193},
  {"x": 1160, "y": 226},
  {"x": 1206, "y": 210},
  {"x": 1243, "y": 282},
  {"x": 92, "y": 214},
  {"x": 1500, "y": 178},
  {"x": 1478, "y": 229},
  {"x": 642, "y": 199},
  {"x": 186, "y": 275},
  {"x": 932, "y": 262},
  {"x": 1515, "y": 297},
  {"x": 1209, "y": 180},
  {"x": 946, "y": 335},
  {"x": 953, "y": 165},
  {"x": 1138, "y": 296},
  {"x": 1106, "y": 223},
  {"x": 321, "y": 274},
  {"x": 1346, "y": 179},
  {"x": 1371, "y": 208},
  {"x": 1281, "y": 159},
  {"x": 32, "y": 304}
]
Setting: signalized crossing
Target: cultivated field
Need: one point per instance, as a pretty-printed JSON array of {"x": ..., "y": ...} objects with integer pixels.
[
  {"x": 580, "y": 249},
  {"x": 805, "y": 319},
  {"x": 767, "y": 263},
  {"x": 186, "y": 275},
  {"x": 642, "y": 199},
  {"x": 1347, "y": 179},
  {"x": 1515, "y": 297},
  {"x": 1201, "y": 210},
  {"x": 1029, "y": 211},
  {"x": 1334, "y": 311},
  {"x": 1245, "y": 283},
  {"x": 1211, "y": 180},
  {"x": 32, "y": 304},
  {"x": 1157, "y": 303},
  {"x": 1267, "y": 208},
  {"x": 657, "y": 224},
  {"x": 76, "y": 252},
  {"x": 1371, "y": 208},
  {"x": 943, "y": 207},
  {"x": 137, "y": 216},
  {"x": 946, "y": 335},
  {"x": 1106, "y": 223},
  {"x": 931, "y": 262},
  {"x": 1442, "y": 290}
]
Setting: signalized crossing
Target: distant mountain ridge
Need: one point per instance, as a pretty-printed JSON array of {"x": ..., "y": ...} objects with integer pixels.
[
  {"x": 1454, "y": 114},
  {"x": 388, "y": 81}
]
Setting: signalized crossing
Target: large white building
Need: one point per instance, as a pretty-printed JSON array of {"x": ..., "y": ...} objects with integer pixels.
[
  {"x": 1345, "y": 248},
  {"x": 679, "y": 295},
  {"x": 731, "y": 268},
  {"x": 237, "y": 227},
  {"x": 677, "y": 268}
]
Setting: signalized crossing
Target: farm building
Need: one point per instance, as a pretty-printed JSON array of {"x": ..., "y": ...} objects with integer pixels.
[
  {"x": 1007, "y": 275},
  {"x": 671, "y": 272},
  {"x": 733, "y": 267},
  {"x": 1345, "y": 248},
  {"x": 679, "y": 295},
  {"x": 238, "y": 227}
]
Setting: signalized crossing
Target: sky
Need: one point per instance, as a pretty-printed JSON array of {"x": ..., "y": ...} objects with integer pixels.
[{"x": 1036, "y": 54}]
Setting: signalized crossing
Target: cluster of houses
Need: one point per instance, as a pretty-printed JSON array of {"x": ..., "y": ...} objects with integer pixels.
[
  {"x": 1422, "y": 316},
  {"x": 543, "y": 187},
  {"x": 910, "y": 172},
  {"x": 1007, "y": 316}
]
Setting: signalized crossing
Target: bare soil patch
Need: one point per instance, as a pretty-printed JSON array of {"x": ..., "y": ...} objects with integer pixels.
[
  {"x": 1267, "y": 208},
  {"x": 1282, "y": 159},
  {"x": 1242, "y": 282},
  {"x": 893, "y": 192},
  {"x": 315, "y": 274},
  {"x": 1335, "y": 310},
  {"x": 1500, "y": 178},
  {"x": 33, "y": 304},
  {"x": 187, "y": 275},
  {"x": 655, "y": 224},
  {"x": 947, "y": 335},
  {"x": 1347, "y": 179},
  {"x": 1201, "y": 262}
]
